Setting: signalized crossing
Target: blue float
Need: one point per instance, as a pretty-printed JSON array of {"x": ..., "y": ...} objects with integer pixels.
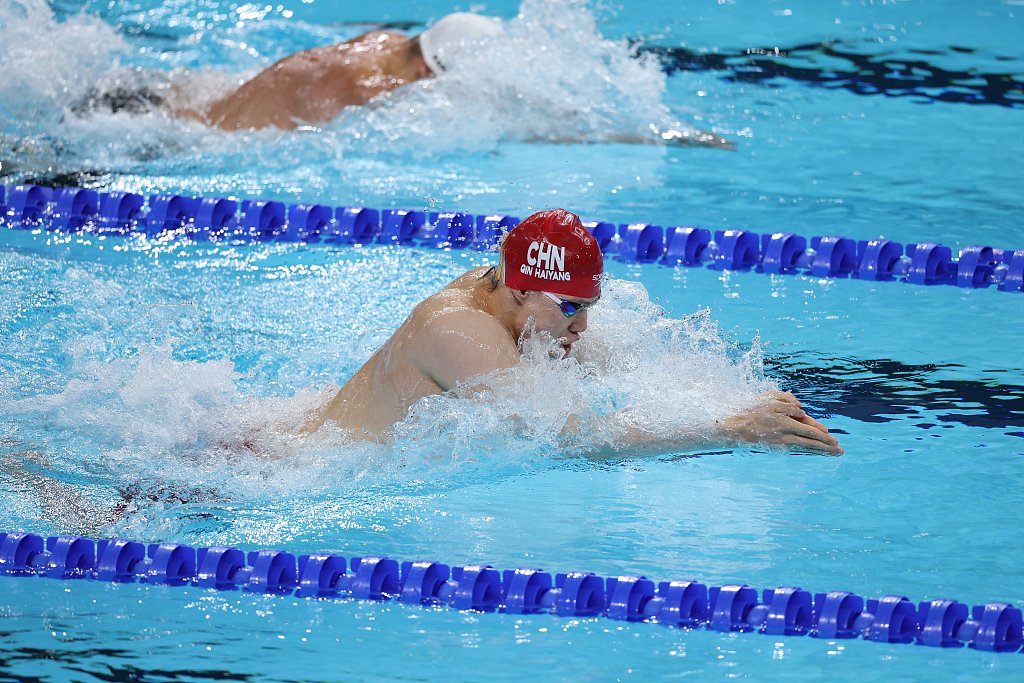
[
  {"x": 976, "y": 266},
  {"x": 930, "y": 264},
  {"x": 448, "y": 231},
  {"x": 218, "y": 567},
  {"x": 119, "y": 211},
  {"x": 356, "y": 225},
  {"x": 525, "y": 590},
  {"x": 119, "y": 560},
  {"x": 169, "y": 213},
  {"x": 685, "y": 246},
  {"x": 1014, "y": 280},
  {"x": 306, "y": 222},
  {"x": 475, "y": 587},
  {"x": 273, "y": 571},
  {"x": 736, "y": 250},
  {"x": 999, "y": 627},
  {"x": 216, "y": 218},
  {"x": 171, "y": 564},
  {"x": 26, "y": 204},
  {"x": 579, "y": 594},
  {"x": 606, "y": 235},
  {"x": 730, "y": 607},
  {"x": 490, "y": 230},
  {"x": 400, "y": 227},
  {"x": 422, "y": 582},
  {"x": 70, "y": 557},
  {"x": 321, "y": 576},
  {"x": 376, "y": 578},
  {"x": 878, "y": 259},
  {"x": 261, "y": 220},
  {"x": 940, "y": 621},
  {"x": 74, "y": 208},
  {"x": 790, "y": 613},
  {"x": 894, "y": 620},
  {"x": 781, "y": 252},
  {"x": 640, "y": 243},
  {"x": 19, "y": 552},
  {"x": 837, "y": 614},
  {"x": 685, "y": 603},
  {"x": 833, "y": 256},
  {"x": 628, "y": 597}
]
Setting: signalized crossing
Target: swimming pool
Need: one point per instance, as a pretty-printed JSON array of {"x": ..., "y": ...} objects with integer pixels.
[{"x": 128, "y": 360}]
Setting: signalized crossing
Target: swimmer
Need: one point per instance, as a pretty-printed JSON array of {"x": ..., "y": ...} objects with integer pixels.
[
  {"x": 313, "y": 86},
  {"x": 547, "y": 279}
]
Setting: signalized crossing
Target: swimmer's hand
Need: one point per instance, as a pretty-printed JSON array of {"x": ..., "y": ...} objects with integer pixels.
[
  {"x": 780, "y": 420},
  {"x": 691, "y": 138},
  {"x": 656, "y": 136}
]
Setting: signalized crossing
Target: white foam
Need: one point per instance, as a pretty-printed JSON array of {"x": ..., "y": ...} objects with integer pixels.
[
  {"x": 46, "y": 64},
  {"x": 552, "y": 77}
]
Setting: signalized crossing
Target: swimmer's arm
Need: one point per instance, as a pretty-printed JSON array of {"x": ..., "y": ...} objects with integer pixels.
[
  {"x": 684, "y": 138},
  {"x": 778, "y": 420},
  {"x": 675, "y": 137}
]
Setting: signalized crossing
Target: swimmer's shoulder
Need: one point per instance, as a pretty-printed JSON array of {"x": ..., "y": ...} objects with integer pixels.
[
  {"x": 372, "y": 40},
  {"x": 463, "y": 342},
  {"x": 347, "y": 55},
  {"x": 469, "y": 280}
]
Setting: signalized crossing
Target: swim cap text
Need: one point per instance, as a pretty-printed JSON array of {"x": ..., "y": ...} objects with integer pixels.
[
  {"x": 546, "y": 256},
  {"x": 545, "y": 261}
]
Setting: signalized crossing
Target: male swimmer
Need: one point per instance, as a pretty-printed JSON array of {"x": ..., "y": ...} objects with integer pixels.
[
  {"x": 547, "y": 279},
  {"x": 313, "y": 86},
  {"x": 548, "y": 276}
]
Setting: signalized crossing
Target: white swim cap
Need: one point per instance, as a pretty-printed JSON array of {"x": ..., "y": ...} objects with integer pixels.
[{"x": 441, "y": 42}]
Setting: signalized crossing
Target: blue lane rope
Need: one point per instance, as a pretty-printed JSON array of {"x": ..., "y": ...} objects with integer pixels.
[
  {"x": 781, "y": 253},
  {"x": 789, "y": 611}
]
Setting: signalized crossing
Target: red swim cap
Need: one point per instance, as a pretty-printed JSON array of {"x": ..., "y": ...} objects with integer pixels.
[{"x": 551, "y": 251}]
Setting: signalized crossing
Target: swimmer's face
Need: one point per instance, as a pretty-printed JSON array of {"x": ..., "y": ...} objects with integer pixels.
[{"x": 550, "y": 317}]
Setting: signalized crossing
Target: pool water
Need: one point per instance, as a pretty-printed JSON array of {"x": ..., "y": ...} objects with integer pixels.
[{"x": 131, "y": 361}]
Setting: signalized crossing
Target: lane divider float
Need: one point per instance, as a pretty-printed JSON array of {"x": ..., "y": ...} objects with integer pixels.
[
  {"x": 781, "y": 253},
  {"x": 783, "y": 611}
]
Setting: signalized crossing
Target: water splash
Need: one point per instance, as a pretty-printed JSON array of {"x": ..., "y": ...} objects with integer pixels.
[
  {"x": 170, "y": 429},
  {"x": 551, "y": 78},
  {"x": 46, "y": 64}
]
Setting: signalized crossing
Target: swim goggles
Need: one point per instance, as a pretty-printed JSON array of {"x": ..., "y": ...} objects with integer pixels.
[{"x": 569, "y": 308}]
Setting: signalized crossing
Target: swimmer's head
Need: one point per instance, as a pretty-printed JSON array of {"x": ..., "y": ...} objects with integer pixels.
[
  {"x": 551, "y": 251},
  {"x": 442, "y": 42}
]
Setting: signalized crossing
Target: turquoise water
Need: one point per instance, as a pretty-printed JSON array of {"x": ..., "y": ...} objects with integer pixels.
[{"x": 126, "y": 360}]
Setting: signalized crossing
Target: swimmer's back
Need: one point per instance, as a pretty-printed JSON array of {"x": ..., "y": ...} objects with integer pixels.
[{"x": 310, "y": 86}]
